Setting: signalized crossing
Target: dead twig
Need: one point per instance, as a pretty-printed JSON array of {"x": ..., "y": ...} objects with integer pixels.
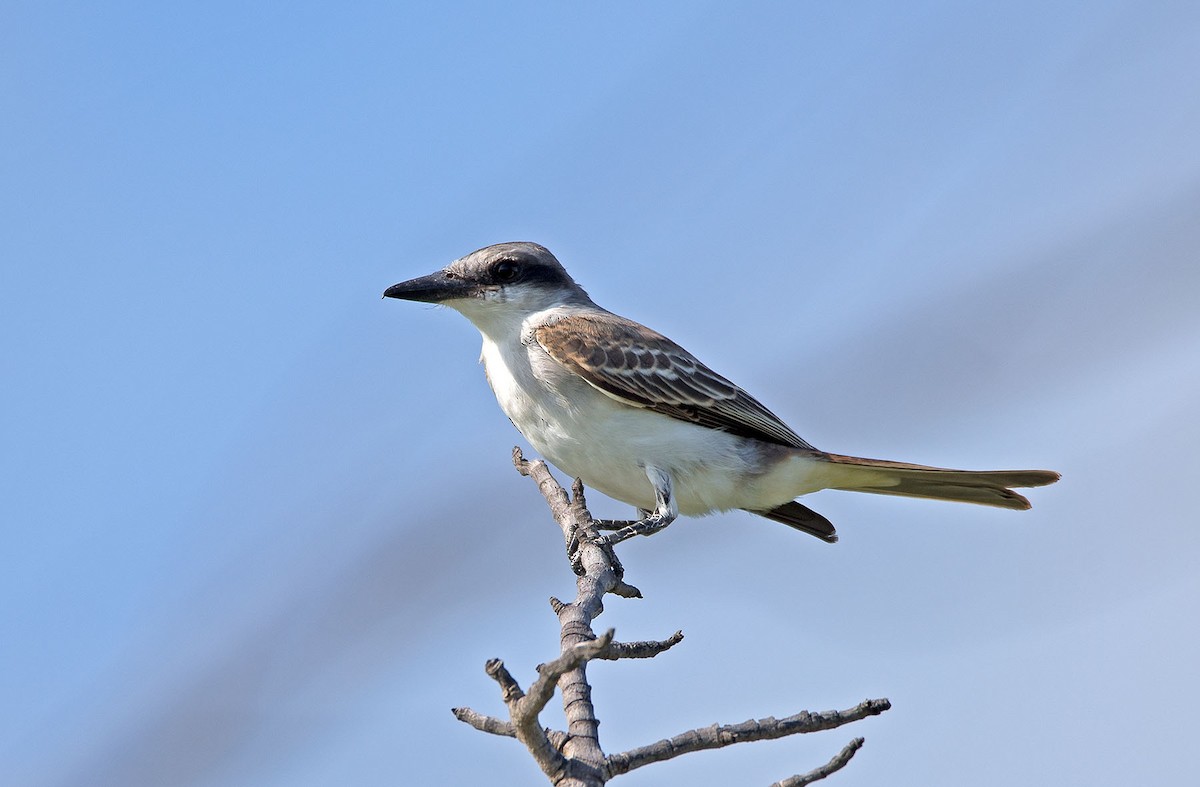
[{"x": 574, "y": 758}]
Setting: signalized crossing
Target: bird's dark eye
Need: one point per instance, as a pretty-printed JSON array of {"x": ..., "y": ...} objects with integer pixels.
[{"x": 506, "y": 270}]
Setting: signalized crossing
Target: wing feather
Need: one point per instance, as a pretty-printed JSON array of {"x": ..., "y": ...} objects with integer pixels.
[{"x": 646, "y": 369}]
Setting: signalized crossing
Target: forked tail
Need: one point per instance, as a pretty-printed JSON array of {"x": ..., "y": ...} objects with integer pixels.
[
  {"x": 881, "y": 477},
  {"x": 985, "y": 487}
]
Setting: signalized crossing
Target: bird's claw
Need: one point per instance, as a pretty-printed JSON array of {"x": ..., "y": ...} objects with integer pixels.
[
  {"x": 575, "y": 550},
  {"x": 642, "y": 527},
  {"x": 579, "y": 537}
]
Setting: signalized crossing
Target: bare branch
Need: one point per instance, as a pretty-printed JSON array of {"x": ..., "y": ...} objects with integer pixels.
[
  {"x": 574, "y": 758},
  {"x": 509, "y": 689},
  {"x": 598, "y": 572},
  {"x": 548, "y": 674},
  {"x": 526, "y": 728},
  {"x": 640, "y": 650},
  {"x": 625, "y": 590},
  {"x": 833, "y": 766},
  {"x": 485, "y": 723},
  {"x": 556, "y": 496},
  {"x": 505, "y": 729},
  {"x": 718, "y": 736}
]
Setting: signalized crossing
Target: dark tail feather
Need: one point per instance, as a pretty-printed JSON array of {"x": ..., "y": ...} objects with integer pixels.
[{"x": 802, "y": 518}]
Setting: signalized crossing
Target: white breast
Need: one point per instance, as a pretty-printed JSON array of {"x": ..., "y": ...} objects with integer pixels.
[{"x": 588, "y": 434}]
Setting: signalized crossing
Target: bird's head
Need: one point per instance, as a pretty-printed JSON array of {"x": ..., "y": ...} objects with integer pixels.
[{"x": 500, "y": 282}]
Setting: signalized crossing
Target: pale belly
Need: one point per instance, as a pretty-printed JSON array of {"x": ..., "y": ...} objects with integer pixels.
[{"x": 608, "y": 444}]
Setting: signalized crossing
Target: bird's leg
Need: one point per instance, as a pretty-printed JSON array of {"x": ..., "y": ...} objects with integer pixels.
[{"x": 665, "y": 512}]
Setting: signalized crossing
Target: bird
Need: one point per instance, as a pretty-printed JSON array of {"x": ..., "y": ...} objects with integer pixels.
[{"x": 633, "y": 414}]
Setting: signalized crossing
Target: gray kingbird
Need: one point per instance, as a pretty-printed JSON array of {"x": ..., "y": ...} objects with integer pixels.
[{"x": 636, "y": 416}]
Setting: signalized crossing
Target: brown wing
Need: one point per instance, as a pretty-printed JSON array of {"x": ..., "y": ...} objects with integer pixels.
[{"x": 639, "y": 366}]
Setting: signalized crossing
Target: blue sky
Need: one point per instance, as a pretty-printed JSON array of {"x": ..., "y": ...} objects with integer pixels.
[{"x": 259, "y": 524}]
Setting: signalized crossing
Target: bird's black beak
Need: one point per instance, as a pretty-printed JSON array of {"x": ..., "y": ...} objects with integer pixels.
[{"x": 434, "y": 288}]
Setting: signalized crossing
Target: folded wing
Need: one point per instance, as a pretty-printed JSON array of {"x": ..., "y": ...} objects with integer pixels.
[{"x": 643, "y": 368}]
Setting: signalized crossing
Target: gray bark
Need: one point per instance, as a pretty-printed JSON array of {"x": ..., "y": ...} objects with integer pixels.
[{"x": 574, "y": 758}]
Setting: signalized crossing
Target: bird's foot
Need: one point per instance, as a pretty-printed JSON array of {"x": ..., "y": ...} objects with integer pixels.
[
  {"x": 575, "y": 550},
  {"x": 579, "y": 537},
  {"x": 623, "y": 530},
  {"x": 665, "y": 511}
]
